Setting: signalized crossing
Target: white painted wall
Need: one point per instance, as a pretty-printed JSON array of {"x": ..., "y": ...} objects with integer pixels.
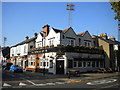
[
  {"x": 53, "y": 37},
  {"x": 39, "y": 41},
  {"x": 20, "y": 49}
]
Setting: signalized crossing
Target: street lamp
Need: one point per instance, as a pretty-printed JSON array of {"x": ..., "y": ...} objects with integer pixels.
[{"x": 44, "y": 64}]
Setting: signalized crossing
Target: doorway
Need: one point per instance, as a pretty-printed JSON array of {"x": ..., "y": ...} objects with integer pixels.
[{"x": 60, "y": 67}]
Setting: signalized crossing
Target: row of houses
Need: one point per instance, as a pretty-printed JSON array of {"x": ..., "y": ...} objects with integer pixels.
[{"x": 58, "y": 51}]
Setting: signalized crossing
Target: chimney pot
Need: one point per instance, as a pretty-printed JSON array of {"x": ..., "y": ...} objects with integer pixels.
[
  {"x": 35, "y": 34},
  {"x": 27, "y": 37}
]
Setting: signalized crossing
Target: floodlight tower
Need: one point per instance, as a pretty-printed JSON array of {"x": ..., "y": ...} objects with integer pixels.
[
  {"x": 5, "y": 39},
  {"x": 70, "y": 9}
]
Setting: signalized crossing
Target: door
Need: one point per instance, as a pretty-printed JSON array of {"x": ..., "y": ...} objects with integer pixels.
[
  {"x": 26, "y": 63},
  {"x": 60, "y": 67}
]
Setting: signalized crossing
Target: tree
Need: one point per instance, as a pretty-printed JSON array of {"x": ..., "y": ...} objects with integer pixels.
[{"x": 116, "y": 7}]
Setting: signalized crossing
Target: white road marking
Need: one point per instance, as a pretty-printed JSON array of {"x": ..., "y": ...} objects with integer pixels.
[
  {"x": 40, "y": 84},
  {"x": 60, "y": 83},
  {"x": 31, "y": 82},
  {"x": 50, "y": 83},
  {"x": 102, "y": 81},
  {"x": 6, "y": 85},
  {"x": 22, "y": 84}
]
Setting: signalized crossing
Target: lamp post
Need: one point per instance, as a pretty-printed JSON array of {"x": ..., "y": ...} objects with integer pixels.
[{"x": 44, "y": 64}]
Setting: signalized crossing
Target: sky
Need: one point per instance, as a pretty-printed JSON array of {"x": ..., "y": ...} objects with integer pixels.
[{"x": 21, "y": 19}]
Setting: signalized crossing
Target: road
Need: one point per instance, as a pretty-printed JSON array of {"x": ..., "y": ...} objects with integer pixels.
[{"x": 37, "y": 80}]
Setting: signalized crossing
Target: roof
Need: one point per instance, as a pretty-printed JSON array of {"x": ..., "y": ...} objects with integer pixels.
[
  {"x": 81, "y": 34},
  {"x": 57, "y": 30},
  {"x": 110, "y": 41},
  {"x": 65, "y": 30},
  {"x": 25, "y": 41}
]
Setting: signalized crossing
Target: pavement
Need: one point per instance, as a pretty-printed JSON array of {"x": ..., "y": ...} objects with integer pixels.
[
  {"x": 84, "y": 76},
  {"x": 36, "y": 78}
]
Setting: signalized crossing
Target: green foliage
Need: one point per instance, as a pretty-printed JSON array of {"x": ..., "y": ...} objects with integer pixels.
[{"x": 116, "y": 7}]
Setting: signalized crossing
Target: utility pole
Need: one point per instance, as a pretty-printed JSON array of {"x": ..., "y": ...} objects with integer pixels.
[{"x": 70, "y": 9}]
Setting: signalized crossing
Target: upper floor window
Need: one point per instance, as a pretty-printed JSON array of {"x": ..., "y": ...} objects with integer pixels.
[
  {"x": 25, "y": 49},
  {"x": 63, "y": 37},
  {"x": 79, "y": 41},
  {"x": 72, "y": 42},
  {"x": 31, "y": 46}
]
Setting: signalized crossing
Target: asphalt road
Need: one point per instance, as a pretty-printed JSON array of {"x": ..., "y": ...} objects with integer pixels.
[{"x": 37, "y": 80}]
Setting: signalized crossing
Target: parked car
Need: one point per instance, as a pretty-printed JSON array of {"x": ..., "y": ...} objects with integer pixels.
[
  {"x": 16, "y": 68},
  {"x": 6, "y": 66}
]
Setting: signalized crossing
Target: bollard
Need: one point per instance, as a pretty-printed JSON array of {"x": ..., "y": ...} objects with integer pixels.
[{"x": 69, "y": 74}]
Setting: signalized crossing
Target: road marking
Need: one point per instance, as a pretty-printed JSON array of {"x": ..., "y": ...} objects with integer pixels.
[
  {"x": 22, "y": 84},
  {"x": 40, "y": 84},
  {"x": 101, "y": 82},
  {"x": 50, "y": 83},
  {"x": 60, "y": 83},
  {"x": 31, "y": 82},
  {"x": 6, "y": 85}
]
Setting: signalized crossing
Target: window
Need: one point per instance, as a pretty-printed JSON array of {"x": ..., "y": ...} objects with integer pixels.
[
  {"x": 93, "y": 64},
  {"x": 19, "y": 62},
  {"x": 44, "y": 64},
  {"x": 72, "y": 42},
  {"x": 79, "y": 64},
  {"x": 50, "y": 43},
  {"x": 70, "y": 64},
  {"x": 31, "y": 46},
  {"x": 47, "y": 64},
  {"x": 79, "y": 41},
  {"x": 41, "y": 64},
  {"x": 88, "y": 44},
  {"x": 88, "y": 64},
  {"x": 63, "y": 37},
  {"x": 101, "y": 64},
  {"x": 31, "y": 61},
  {"x": 97, "y": 64},
  {"x": 25, "y": 49},
  {"x": 75, "y": 64},
  {"x": 51, "y": 63},
  {"x": 84, "y": 64}
]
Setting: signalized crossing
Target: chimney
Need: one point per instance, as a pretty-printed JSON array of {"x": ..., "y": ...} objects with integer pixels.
[
  {"x": 104, "y": 36},
  {"x": 46, "y": 30},
  {"x": 112, "y": 38},
  {"x": 35, "y": 34},
  {"x": 27, "y": 37}
]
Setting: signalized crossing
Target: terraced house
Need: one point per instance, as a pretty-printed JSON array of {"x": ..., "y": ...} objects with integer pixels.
[{"x": 58, "y": 51}]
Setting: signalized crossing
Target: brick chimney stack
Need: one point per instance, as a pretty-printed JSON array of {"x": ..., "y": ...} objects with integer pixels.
[
  {"x": 35, "y": 34},
  {"x": 46, "y": 30},
  {"x": 112, "y": 38},
  {"x": 104, "y": 36},
  {"x": 27, "y": 37}
]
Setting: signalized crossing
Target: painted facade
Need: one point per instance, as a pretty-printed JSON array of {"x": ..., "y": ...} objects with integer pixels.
[{"x": 59, "y": 51}]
